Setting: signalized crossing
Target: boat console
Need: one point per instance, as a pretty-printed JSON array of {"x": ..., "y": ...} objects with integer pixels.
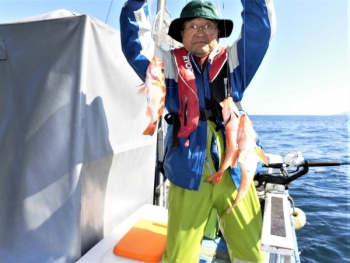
[{"x": 279, "y": 214}]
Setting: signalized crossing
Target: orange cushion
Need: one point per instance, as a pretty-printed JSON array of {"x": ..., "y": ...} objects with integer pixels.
[{"x": 145, "y": 241}]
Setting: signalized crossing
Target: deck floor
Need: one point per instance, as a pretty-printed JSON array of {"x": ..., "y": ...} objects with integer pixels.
[{"x": 214, "y": 250}]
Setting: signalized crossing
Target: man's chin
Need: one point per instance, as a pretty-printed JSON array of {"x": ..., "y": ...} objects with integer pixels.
[{"x": 202, "y": 50}]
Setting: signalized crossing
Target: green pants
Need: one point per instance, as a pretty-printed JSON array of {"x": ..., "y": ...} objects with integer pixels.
[{"x": 189, "y": 211}]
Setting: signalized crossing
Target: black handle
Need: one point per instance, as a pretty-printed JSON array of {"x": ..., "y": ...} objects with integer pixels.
[{"x": 283, "y": 179}]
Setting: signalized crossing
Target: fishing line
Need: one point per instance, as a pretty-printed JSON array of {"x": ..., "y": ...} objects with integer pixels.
[
  {"x": 110, "y": 6},
  {"x": 228, "y": 88},
  {"x": 219, "y": 9},
  {"x": 220, "y": 13}
]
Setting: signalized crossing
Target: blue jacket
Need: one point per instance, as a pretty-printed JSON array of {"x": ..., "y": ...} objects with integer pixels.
[{"x": 184, "y": 165}]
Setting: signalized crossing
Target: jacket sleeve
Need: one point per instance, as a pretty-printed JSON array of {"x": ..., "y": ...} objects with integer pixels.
[
  {"x": 247, "y": 53},
  {"x": 136, "y": 40}
]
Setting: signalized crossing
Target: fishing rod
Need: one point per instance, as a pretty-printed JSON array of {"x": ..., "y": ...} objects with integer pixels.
[
  {"x": 327, "y": 163},
  {"x": 290, "y": 161},
  {"x": 311, "y": 164}
]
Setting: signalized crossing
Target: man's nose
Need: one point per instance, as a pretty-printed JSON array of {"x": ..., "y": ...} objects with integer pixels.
[{"x": 200, "y": 31}]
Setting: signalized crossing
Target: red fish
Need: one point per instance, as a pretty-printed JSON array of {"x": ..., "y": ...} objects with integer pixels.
[
  {"x": 154, "y": 90},
  {"x": 231, "y": 117},
  {"x": 249, "y": 156}
]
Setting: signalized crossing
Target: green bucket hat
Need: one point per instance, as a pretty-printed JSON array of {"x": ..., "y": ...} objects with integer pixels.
[{"x": 199, "y": 9}]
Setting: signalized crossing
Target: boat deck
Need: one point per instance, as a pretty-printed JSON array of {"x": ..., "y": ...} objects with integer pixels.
[{"x": 212, "y": 251}]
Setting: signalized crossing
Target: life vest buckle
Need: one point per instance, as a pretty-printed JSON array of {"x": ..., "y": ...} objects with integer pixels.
[{"x": 172, "y": 118}]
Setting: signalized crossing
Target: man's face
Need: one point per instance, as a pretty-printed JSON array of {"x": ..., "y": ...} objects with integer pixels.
[{"x": 200, "y": 36}]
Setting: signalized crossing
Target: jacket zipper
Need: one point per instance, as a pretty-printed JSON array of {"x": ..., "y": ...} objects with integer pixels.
[{"x": 186, "y": 106}]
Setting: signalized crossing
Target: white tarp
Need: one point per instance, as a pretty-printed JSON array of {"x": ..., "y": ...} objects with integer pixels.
[{"x": 73, "y": 160}]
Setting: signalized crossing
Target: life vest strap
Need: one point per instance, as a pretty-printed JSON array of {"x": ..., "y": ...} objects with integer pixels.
[
  {"x": 208, "y": 113},
  {"x": 174, "y": 119}
]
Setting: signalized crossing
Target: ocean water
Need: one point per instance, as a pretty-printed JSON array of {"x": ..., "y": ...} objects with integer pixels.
[{"x": 323, "y": 193}]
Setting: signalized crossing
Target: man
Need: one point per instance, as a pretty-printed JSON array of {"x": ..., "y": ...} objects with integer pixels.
[{"x": 198, "y": 77}]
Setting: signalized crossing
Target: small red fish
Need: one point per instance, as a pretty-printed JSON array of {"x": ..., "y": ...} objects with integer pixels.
[
  {"x": 231, "y": 118},
  {"x": 154, "y": 89},
  {"x": 249, "y": 156}
]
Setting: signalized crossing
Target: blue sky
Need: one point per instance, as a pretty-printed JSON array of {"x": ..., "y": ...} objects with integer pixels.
[{"x": 305, "y": 71}]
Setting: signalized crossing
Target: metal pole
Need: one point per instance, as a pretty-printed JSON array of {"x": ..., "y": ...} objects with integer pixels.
[
  {"x": 161, "y": 200},
  {"x": 160, "y": 10},
  {"x": 160, "y": 155}
]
